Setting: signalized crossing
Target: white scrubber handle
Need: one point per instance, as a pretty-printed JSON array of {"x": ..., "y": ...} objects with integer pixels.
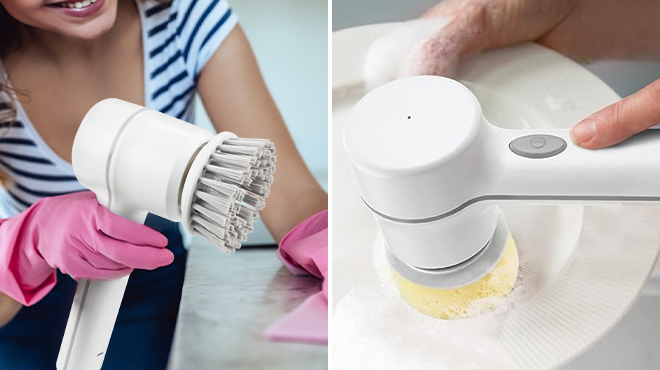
[
  {"x": 628, "y": 172},
  {"x": 134, "y": 160},
  {"x": 93, "y": 315}
]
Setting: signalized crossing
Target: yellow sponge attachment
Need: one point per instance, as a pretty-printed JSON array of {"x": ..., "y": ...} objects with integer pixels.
[{"x": 469, "y": 300}]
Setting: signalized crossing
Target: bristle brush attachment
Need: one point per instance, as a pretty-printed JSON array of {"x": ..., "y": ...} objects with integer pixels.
[
  {"x": 477, "y": 298},
  {"x": 232, "y": 177}
]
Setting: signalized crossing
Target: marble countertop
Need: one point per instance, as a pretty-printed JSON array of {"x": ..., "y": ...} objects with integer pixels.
[{"x": 227, "y": 303}]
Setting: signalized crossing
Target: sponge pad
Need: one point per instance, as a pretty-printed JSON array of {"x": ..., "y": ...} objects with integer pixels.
[{"x": 467, "y": 301}]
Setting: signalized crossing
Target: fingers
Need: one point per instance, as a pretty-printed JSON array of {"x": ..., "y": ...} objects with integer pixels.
[
  {"x": 95, "y": 267},
  {"x": 465, "y": 32},
  {"x": 123, "y": 229},
  {"x": 619, "y": 121},
  {"x": 99, "y": 257},
  {"x": 142, "y": 257},
  {"x": 477, "y": 25}
]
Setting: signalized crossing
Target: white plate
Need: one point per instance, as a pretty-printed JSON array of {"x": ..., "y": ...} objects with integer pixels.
[{"x": 589, "y": 263}]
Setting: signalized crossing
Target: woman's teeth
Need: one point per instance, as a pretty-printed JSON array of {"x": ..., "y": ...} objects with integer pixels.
[{"x": 78, "y": 4}]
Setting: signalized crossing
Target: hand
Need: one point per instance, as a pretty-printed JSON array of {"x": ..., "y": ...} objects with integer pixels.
[
  {"x": 619, "y": 121},
  {"x": 584, "y": 30},
  {"x": 78, "y": 236},
  {"x": 476, "y": 25},
  {"x": 304, "y": 250}
]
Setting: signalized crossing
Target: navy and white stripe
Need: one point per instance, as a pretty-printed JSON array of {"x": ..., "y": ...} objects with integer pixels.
[
  {"x": 179, "y": 38},
  {"x": 181, "y": 42}
]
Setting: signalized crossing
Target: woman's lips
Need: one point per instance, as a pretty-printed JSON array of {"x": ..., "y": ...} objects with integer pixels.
[{"x": 79, "y": 9}]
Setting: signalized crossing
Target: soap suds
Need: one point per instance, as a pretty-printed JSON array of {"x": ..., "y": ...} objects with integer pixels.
[
  {"x": 379, "y": 330},
  {"x": 397, "y": 52}
]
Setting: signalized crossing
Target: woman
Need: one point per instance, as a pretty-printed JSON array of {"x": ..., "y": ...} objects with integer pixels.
[{"x": 59, "y": 58}]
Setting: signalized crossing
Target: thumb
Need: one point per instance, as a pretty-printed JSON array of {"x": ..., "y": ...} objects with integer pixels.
[{"x": 619, "y": 121}]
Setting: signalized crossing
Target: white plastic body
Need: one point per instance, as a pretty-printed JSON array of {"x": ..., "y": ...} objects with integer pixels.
[
  {"x": 90, "y": 318},
  {"x": 135, "y": 160},
  {"x": 433, "y": 169}
]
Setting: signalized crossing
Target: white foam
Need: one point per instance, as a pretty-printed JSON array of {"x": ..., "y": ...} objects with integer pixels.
[
  {"x": 379, "y": 330},
  {"x": 395, "y": 54}
]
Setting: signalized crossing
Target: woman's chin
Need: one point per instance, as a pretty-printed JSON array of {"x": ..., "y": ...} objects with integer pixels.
[
  {"x": 89, "y": 30},
  {"x": 89, "y": 33}
]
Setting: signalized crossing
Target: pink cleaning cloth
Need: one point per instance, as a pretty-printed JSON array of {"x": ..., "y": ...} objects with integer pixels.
[{"x": 304, "y": 251}]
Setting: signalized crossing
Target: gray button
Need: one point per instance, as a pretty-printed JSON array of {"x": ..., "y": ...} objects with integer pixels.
[
  {"x": 537, "y": 142},
  {"x": 538, "y": 146}
]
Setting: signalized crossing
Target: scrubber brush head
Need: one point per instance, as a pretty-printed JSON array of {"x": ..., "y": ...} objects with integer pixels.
[
  {"x": 471, "y": 287},
  {"x": 466, "y": 301},
  {"x": 225, "y": 189}
]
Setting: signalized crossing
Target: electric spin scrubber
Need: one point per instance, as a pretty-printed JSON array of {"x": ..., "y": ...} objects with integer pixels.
[
  {"x": 433, "y": 169},
  {"x": 137, "y": 160}
]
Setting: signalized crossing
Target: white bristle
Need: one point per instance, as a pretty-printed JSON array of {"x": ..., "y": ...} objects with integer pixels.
[
  {"x": 222, "y": 188},
  {"x": 204, "y": 209},
  {"x": 217, "y": 230},
  {"x": 215, "y": 240},
  {"x": 242, "y": 150},
  {"x": 233, "y": 160},
  {"x": 248, "y": 214},
  {"x": 226, "y": 174},
  {"x": 231, "y": 189},
  {"x": 260, "y": 187},
  {"x": 254, "y": 201},
  {"x": 218, "y": 202}
]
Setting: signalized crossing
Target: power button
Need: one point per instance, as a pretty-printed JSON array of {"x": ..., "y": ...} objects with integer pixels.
[
  {"x": 538, "y": 146},
  {"x": 537, "y": 142}
]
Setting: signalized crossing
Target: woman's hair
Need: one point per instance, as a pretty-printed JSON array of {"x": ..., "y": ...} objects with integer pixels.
[{"x": 9, "y": 42}]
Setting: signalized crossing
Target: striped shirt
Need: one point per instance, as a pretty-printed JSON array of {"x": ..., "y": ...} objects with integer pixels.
[{"x": 179, "y": 37}]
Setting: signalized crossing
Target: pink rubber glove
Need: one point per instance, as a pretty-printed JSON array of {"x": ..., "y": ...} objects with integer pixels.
[
  {"x": 304, "y": 251},
  {"x": 78, "y": 236}
]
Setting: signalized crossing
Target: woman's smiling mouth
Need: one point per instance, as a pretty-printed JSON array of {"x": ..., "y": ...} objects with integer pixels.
[
  {"x": 75, "y": 4},
  {"x": 78, "y": 8}
]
